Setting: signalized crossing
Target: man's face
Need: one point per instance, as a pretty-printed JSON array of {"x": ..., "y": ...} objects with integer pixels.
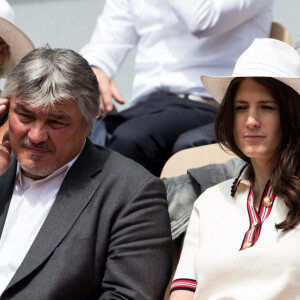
[{"x": 43, "y": 140}]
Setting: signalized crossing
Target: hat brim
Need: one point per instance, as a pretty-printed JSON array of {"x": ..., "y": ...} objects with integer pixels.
[
  {"x": 217, "y": 86},
  {"x": 19, "y": 44}
]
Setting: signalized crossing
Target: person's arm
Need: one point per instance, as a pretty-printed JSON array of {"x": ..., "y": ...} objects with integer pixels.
[
  {"x": 184, "y": 282},
  {"x": 109, "y": 91},
  {"x": 113, "y": 36},
  {"x": 5, "y": 146},
  {"x": 207, "y": 17},
  {"x": 182, "y": 295},
  {"x": 139, "y": 262}
]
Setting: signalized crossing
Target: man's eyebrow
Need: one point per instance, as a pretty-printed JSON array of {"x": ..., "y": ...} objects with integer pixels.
[
  {"x": 60, "y": 116},
  {"x": 20, "y": 106},
  {"x": 57, "y": 116}
]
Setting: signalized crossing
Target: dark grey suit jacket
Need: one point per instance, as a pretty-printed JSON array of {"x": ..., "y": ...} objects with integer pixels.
[{"x": 107, "y": 235}]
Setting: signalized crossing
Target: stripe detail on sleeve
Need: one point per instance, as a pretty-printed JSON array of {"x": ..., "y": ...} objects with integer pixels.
[{"x": 183, "y": 284}]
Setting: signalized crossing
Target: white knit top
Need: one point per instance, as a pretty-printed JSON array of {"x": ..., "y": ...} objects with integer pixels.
[{"x": 224, "y": 258}]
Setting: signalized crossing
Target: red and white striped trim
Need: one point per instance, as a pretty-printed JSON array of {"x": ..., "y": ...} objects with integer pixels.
[
  {"x": 257, "y": 218},
  {"x": 183, "y": 284}
]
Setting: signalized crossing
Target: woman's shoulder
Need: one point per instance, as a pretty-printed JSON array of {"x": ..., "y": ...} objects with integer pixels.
[
  {"x": 224, "y": 186},
  {"x": 217, "y": 192}
]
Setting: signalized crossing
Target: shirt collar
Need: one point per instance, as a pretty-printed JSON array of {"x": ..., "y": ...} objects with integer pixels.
[
  {"x": 26, "y": 182},
  {"x": 242, "y": 179}
]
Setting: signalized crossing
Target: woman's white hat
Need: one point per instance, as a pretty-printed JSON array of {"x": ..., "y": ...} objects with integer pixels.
[
  {"x": 17, "y": 40},
  {"x": 264, "y": 58}
]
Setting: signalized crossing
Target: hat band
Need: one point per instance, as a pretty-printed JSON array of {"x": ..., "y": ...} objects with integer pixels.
[{"x": 254, "y": 69}]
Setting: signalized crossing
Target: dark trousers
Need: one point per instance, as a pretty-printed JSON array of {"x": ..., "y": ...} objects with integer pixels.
[
  {"x": 199, "y": 136},
  {"x": 147, "y": 131}
]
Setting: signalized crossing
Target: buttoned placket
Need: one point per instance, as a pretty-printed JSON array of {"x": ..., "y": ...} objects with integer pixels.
[{"x": 257, "y": 218}]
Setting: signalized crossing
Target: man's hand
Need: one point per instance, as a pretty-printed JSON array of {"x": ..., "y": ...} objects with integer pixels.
[
  {"x": 4, "y": 153},
  {"x": 4, "y": 104},
  {"x": 5, "y": 146},
  {"x": 108, "y": 90}
]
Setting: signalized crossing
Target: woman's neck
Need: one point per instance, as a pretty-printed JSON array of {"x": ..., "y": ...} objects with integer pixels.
[{"x": 262, "y": 173}]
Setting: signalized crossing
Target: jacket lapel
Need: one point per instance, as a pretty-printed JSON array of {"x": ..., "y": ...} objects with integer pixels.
[
  {"x": 7, "y": 183},
  {"x": 75, "y": 193}
]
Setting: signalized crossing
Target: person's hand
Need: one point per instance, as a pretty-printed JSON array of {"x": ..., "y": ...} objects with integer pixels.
[
  {"x": 4, "y": 104},
  {"x": 109, "y": 91},
  {"x": 4, "y": 153}
]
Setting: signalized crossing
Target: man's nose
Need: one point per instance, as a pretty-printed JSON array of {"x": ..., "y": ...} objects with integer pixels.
[{"x": 38, "y": 133}]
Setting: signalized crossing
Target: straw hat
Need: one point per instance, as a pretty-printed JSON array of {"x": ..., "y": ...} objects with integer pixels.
[
  {"x": 264, "y": 58},
  {"x": 17, "y": 40}
]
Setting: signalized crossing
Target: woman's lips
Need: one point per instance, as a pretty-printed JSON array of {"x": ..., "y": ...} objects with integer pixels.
[{"x": 254, "y": 137}]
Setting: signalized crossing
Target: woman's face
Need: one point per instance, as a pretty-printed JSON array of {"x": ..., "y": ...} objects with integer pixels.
[{"x": 257, "y": 129}]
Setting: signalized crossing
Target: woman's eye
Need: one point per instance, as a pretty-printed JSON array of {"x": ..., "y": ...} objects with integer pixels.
[
  {"x": 240, "y": 107},
  {"x": 267, "y": 107}
]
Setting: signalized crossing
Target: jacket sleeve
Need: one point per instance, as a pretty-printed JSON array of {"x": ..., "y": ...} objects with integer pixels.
[
  {"x": 139, "y": 262},
  {"x": 182, "y": 191},
  {"x": 207, "y": 17},
  {"x": 113, "y": 36}
]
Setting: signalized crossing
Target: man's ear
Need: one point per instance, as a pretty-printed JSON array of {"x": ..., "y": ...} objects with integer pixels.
[{"x": 4, "y": 52}]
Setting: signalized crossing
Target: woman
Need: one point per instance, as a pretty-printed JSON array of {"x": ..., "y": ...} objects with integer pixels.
[
  {"x": 14, "y": 44},
  {"x": 243, "y": 239}
]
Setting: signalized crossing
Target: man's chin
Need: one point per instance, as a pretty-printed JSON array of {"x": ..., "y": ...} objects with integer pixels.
[{"x": 38, "y": 171}]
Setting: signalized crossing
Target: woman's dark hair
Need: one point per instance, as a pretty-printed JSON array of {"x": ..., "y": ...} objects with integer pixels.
[{"x": 285, "y": 177}]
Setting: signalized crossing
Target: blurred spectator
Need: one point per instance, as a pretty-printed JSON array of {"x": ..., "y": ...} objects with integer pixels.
[
  {"x": 14, "y": 44},
  {"x": 176, "y": 42},
  {"x": 297, "y": 45}
]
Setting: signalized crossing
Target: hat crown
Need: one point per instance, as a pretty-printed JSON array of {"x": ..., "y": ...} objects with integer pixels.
[
  {"x": 270, "y": 58},
  {"x": 264, "y": 58},
  {"x": 6, "y": 12}
]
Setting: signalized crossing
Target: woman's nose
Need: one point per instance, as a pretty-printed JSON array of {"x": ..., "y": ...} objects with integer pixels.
[{"x": 252, "y": 119}]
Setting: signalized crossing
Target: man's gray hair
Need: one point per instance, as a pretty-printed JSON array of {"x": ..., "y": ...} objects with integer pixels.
[{"x": 47, "y": 76}]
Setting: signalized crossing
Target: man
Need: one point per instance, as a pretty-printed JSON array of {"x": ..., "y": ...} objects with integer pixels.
[
  {"x": 176, "y": 41},
  {"x": 77, "y": 221}
]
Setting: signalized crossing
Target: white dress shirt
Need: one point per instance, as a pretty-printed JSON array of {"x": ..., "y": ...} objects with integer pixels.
[
  {"x": 30, "y": 204},
  {"x": 177, "y": 41}
]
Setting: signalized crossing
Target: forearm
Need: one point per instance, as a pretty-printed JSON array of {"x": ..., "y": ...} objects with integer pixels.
[
  {"x": 182, "y": 295},
  {"x": 113, "y": 36}
]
